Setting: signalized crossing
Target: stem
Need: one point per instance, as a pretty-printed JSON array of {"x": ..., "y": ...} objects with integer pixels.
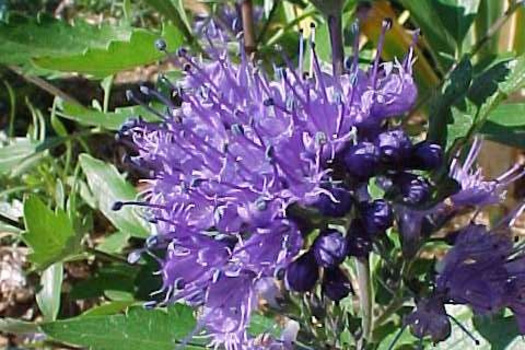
[
  {"x": 366, "y": 297},
  {"x": 335, "y": 25},
  {"x": 248, "y": 26},
  {"x": 44, "y": 85}
]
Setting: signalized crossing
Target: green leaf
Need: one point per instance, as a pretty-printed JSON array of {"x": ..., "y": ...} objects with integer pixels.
[
  {"x": 108, "y": 186},
  {"x": 114, "y": 243},
  {"x": 463, "y": 121},
  {"x": 453, "y": 92},
  {"x": 457, "y": 17},
  {"x": 119, "y": 55},
  {"x": 501, "y": 332},
  {"x": 111, "y": 308},
  {"x": 24, "y": 38},
  {"x": 50, "y": 236},
  {"x": 260, "y": 324},
  {"x": 48, "y": 298},
  {"x": 14, "y": 153},
  {"x": 174, "y": 11},
  {"x": 109, "y": 121},
  {"x": 506, "y": 124},
  {"x": 139, "y": 329},
  {"x": 15, "y": 326},
  {"x": 114, "y": 278},
  {"x": 459, "y": 340}
]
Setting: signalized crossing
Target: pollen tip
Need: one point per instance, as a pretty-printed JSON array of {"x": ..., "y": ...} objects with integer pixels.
[
  {"x": 117, "y": 206},
  {"x": 269, "y": 102},
  {"x": 387, "y": 23},
  {"x": 312, "y": 25},
  {"x": 161, "y": 45},
  {"x": 182, "y": 52},
  {"x": 144, "y": 89}
]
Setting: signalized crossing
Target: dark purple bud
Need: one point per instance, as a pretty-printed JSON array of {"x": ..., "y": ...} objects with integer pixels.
[
  {"x": 429, "y": 319},
  {"x": 394, "y": 146},
  {"x": 358, "y": 241},
  {"x": 328, "y": 207},
  {"x": 302, "y": 274},
  {"x": 330, "y": 248},
  {"x": 377, "y": 216},
  {"x": 414, "y": 189},
  {"x": 362, "y": 160},
  {"x": 426, "y": 156},
  {"x": 336, "y": 285}
]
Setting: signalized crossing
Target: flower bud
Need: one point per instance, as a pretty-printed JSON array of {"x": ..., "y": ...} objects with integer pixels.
[
  {"x": 413, "y": 188},
  {"x": 330, "y": 248},
  {"x": 358, "y": 241},
  {"x": 362, "y": 160},
  {"x": 377, "y": 216},
  {"x": 426, "y": 156},
  {"x": 302, "y": 274},
  {"x": 336, "y": 285},
  {"x": 328, "y": 207},
  {"x": 394, "y": 146}
]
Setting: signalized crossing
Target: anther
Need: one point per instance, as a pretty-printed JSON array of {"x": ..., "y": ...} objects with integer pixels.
[{"x": 160, "y": 44}]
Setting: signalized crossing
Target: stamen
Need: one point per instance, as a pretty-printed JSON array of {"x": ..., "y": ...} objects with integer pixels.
[
  {"x": 118, "y": 205},
  {"x": 131, "y": 97},
  {"x": 301, "y": 51},
  {"x": 312, "y": 48},
  {"x": 465, "y": 330},
  {"x": 355, "y": 50},
  {"x": 407, "y": 61},
  {"x": 387, "y": 24}
]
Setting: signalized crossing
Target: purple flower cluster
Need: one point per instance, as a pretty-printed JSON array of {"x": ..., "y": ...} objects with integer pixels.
[
  {"x": 483, "y": 270},
  {"x": 238, "y": 154}
]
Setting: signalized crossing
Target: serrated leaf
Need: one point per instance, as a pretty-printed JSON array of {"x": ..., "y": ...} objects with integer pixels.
[
  {"x": 108, "y": 186},
  {"x": 48, "y": 298},
  {"x": 109, "y": 121},
  {"x": 139, "y": 329},
  {"x": 25, "y": 38},
  {"x": 457, "y": 16},
  {"x": 119, "y": 56},
  {"x": 453, "y": 92},
  {"x": 50, "y": 235}
]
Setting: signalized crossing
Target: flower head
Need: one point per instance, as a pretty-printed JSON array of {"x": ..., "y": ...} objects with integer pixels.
[{"x": 234, "y": 150}]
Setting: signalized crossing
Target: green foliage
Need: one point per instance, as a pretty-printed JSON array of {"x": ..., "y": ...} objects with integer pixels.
[
  {"x": 139, "y": 329},
  {"x": 48, "y": 298},
  {"x": 16, "y": 152},
  {"x": 50, "y": 235},
  {"x": 25, "y": 38},
  {"x": 118, "y": 56},
  {"x": 109, "y": 120},
  {"x": 107, "y": 187}
]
